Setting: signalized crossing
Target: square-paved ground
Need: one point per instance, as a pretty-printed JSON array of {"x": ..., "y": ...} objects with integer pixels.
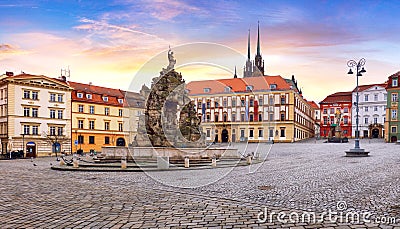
[{"x": 312, "y": 177}]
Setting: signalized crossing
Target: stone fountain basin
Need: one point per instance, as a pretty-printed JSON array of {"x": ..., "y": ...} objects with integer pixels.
[{"x": 117, "y": 152}]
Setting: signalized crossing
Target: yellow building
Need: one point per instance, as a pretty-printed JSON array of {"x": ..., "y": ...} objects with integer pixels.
[
  {"x": 253, "y": 109},
  {"x": 35, "y": 115},
  {"x": 98, "y": 116}
]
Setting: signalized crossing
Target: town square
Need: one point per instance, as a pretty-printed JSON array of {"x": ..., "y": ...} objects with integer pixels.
[{"x": 199, "y": 114}]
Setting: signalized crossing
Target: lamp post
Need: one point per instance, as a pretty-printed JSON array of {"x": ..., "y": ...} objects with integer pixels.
[
  {"x": 23, "y": 145},
  {"x": 357, "y": 151}
]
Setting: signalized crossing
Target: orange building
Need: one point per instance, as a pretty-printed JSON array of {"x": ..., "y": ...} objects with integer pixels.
[{"x": 98, "y": 116}]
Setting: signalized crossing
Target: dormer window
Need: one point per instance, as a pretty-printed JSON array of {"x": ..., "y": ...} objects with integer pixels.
[
  {"x": 272, "y": 86},
  {"x": 105, "y": 98},
  {"x": 79, "y": 95},
  {"x": 89, "y": 96},
  {"x": 227, "y": 89},
  {"x": 395, "y": 83},
  {"x": 120, "y": 100},
  {"x": 249, "y": 88},
  {"x": 207, "y": 90}
]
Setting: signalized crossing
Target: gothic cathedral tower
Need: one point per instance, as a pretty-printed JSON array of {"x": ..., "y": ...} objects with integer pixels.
[{"x": 254, "y": 68}]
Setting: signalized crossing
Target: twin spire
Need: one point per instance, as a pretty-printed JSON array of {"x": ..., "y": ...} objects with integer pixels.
[{"x": 255, "y": 68}]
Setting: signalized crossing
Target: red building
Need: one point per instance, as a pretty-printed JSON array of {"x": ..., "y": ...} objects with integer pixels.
[{"x": 329, "y": 106}]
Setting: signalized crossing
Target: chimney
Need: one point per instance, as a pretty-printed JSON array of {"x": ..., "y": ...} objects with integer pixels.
[{"x": 9, "y": 73}]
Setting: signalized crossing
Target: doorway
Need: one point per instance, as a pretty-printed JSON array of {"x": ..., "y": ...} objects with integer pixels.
[
  {"x": 30, "y": 150},
  {"x": 393, "y": 139},
  {"x": 120, "y": 142},
  {"x": 375, "y": 133},
  {"x": 224, "y": 135}
]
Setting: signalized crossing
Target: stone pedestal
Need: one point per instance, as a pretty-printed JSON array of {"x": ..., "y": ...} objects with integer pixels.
[
  {"x": 357, "y": 153},
  {"x": 163, "y": 163}
]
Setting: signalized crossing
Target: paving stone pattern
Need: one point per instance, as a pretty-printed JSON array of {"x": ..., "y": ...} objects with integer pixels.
[{"x": 309, "y": 176}]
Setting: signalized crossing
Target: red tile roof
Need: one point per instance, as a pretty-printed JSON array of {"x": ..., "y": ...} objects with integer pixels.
[
  {"x": 366, "y": 87},
  {"x": 338, "y": 97},
  {"x": 313, "y": 104},
  {"x": 237, "y": 84},
  {"x": 97, "y": 93}
]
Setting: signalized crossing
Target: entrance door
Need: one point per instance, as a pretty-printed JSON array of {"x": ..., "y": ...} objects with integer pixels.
[
  {"x": 120, "y": 142},
  {"x": 30, "y": 149},
  {"x": 393, "y": 139},
  {"x": 224, "y": 135},
  {"x": 375, "y": 133}
]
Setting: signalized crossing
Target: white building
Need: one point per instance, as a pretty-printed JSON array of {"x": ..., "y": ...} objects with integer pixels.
[
  {"x": 35, "y": 114},
  {"x": 372, "y": 110}
]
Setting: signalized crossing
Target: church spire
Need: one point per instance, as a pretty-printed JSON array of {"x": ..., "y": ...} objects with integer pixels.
[
  {"x": 235, "y": 76},
  {"x": 248, "y": 46},
  {"x": 258, "y": 39}
]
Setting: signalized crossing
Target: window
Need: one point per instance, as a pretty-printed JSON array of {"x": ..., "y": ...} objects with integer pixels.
[
  {"x": 346, "y": 110},
  {"x": 394, "y": 83},
  {"x": 79, "y": 95},
  {"x": 216, "y": 104},
  {"x": 26, "y": 111},
  {"x": 106, "y": 111},
  {"x": 52, "y": 113},
  {"x": 271, "y": 133},
  {"x": 91, "y": 124},
  {"x": 325, "y": 120},
  {"x": 52, "y": 97},
  {"x": 35, "y": 130},
  {"x": 366, "y": 109},
  {"x": 34, "y": 112},
  {"x": 89, "y": 96},
  {"x": 206, "y": 90},
  {"x": 26, "y": 129},
  {"x": 80, "y": 108},
  {"x": 376, "y": 108},
  {"x": 394, "y": 114},
  {"x": 282, "y": 132},
  {"x": 375, "y": 120},
  {"x": 60, "y": 114},
  {"x": 332, "y": 111},
  {"x": 271, "y": 117},
  {"x": 106, "y": 140},
  {"x": 60, "y": 131},
  {"x": 394, "y": 97},
  {"x": 80, "y": 124},
  {"x": 283, "y": 100},
  {"x": 52, "y": 130},
  {"x": 376, "y": 97},
  {"x": 366, "y": 120},
  {"x": 224, "y": 103},
  {"x": 252, "y": 102},
  {"x": 251, "y": 117},
  {"x": 35, "y": 95},
  {"x": 242, "y": 102},
  {"x": 385, "y": 97},
  {"x": 80, "y": 139},
  {"x": 394, "y": 129},
  {"x": 91, "y": 109},
  {"x": 120, "y": 112},
  {"x": 260, "y": 101},
  {"x": 120, "y": 127},
  {"x": 325, "y": 111},
  {"x": 208, "y": 104},
  {"x": 346, "y": 120},
  {"x": 27, "y": 94},
  {"x": 225, "y": 118},
  {"x": 260, "y": 117},
  {"x": 120, "y": 101},
  {"x": 271, "y": 100},
  {"x": 208, "y": 133},
  {"x": 272, "y": 86},
  {"x": 251, "y": 133},
  {"x": 216, "y": 118},
  {"x": 366, "y": 98},
  {"x": 282, "y": 116},
  {"x": 105, "y": 99},
  {"x": 60, "y": 98},
  {"x": 249, "y": 88},
  {"x": 91, "y": 139},
  {"x": 106, "y": 125},
  {"x": 242, "y": 117},
  {"x": 227, "y": 89},
  {"x": 260, "y": 133},
  {"x": 233, "y": 117},
  {"x": 242, "y": 133},
  {"x": 234, "y": 102}
]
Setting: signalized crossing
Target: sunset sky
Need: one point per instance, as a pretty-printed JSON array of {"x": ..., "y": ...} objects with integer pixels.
[{"x": 108, "y": 42}]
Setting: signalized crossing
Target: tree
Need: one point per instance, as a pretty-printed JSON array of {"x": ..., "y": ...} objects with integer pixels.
[{"x": 56, "y": 141}]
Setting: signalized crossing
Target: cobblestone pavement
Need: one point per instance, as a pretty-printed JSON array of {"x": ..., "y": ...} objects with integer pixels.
[{"x": 311, "y": 177}]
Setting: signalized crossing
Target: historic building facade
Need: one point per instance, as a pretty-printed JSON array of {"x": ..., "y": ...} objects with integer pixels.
[
  {"x": 392, "y": 124},
  {"x": 317, "y": 118},
  {"x": 98, "y": 116},
  {"x": 372, "y": 110},
  {"x": 35, "y": 114},
  {"x": 253, "y": 109},
  {"x": 256, "y": 67},
  {"x": 340, "y": 101},
  {"x": 135, "y": 104}
]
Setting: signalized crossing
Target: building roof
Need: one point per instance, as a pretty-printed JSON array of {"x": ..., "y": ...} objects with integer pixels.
[
  {"x": 134, "y": 100},
  {"x": 390, "y": 81},
  {"x": 30, "y": 76},
  {"x": 313, "y": 104},
  {"x": 97, "y": 93},
  {"x": 237, "y": 85},
  {"x": 366, "y": 87},
  {"x": 338, "y": 97}
]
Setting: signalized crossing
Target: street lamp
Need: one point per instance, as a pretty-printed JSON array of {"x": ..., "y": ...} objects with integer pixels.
[
  {"x": 23, "y": 144},
  {"x": 357, "y": 151}
]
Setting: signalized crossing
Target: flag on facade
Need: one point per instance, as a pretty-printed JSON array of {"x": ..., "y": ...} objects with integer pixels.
[
  {"x": 203, "y": 111},
  {"x": 255, "y": 110},
  {"x": 247, "y": 111}
]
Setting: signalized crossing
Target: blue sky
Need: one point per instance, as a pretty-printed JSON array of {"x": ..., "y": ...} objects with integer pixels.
[{"x": 97, "y": 39}]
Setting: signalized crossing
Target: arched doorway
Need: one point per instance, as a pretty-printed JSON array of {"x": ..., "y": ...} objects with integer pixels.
[
  {"x": 375, "y": 133},
  {"x": 56, "y": 147},
  {"x": 393, "y": 139},
  {"x": 224, "y": 135},
  {"x": 120, "y": 142},
  {"x": 30, "y": 149}
]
